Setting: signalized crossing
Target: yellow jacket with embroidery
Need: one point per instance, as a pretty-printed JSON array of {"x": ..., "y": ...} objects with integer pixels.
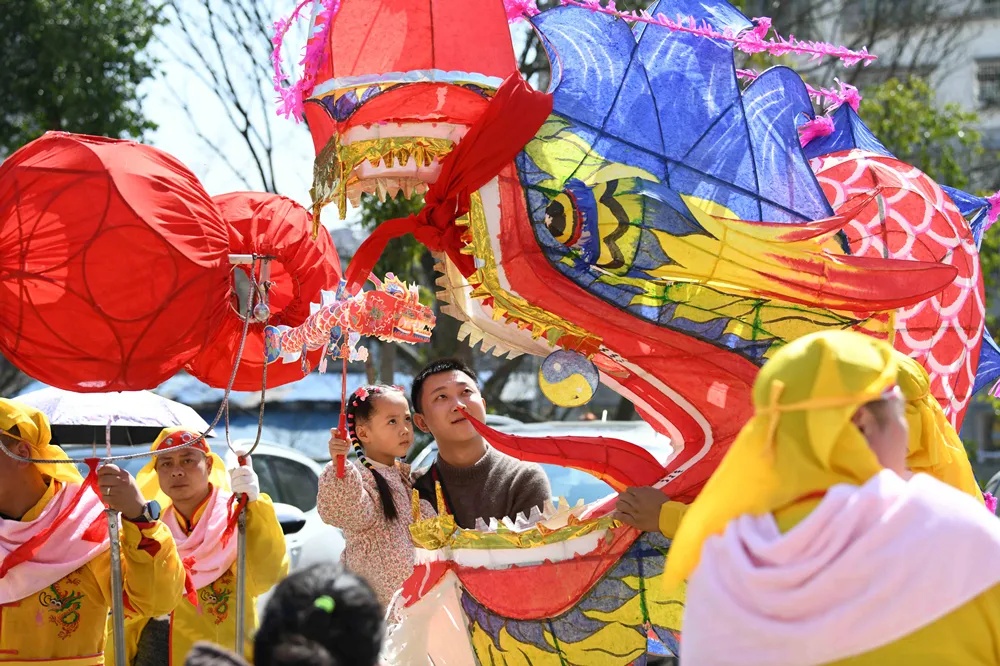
[
  {"x": 66, "y": 622},
  {"x": 214, "y": 619}
]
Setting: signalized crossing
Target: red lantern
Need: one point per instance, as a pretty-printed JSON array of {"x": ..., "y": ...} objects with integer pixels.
[
  {"x": 113, "y": 263},
  {"x": 268, "y": 225}
]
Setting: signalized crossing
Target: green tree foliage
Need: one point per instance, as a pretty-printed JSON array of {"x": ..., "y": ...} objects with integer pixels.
[
  {"x": 73, "y": 65},
  {"x": 939, "y": 140}
]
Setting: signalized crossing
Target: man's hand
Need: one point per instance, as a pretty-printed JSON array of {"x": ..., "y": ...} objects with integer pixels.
[
  {"x": 640, "y": 508},
  {"x": 243, "y": 480},
  {"x": 338, "y": 445},
  {"x": 120, "y": 491}
]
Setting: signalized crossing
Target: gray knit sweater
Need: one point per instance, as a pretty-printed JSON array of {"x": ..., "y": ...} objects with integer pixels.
[{"x": 496, "y": 486}]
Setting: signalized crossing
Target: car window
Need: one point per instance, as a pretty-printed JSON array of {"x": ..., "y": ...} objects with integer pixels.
[
  {"x": 297, "y": 484},
  {"x": 265, "y": 475}
]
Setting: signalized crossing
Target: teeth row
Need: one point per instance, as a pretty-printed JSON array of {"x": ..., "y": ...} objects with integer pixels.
[
  {"x": 553, "y": 517},
  {"x": 385, "y": 188}
]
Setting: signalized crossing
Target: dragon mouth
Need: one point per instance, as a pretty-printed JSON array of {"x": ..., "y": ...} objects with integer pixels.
[{"x": 386, "y": 160}]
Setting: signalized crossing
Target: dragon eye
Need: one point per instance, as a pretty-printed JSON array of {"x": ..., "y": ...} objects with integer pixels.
[{"x": 570, "y": 215}]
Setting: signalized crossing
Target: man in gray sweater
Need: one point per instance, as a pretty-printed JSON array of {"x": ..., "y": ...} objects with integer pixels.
[{"x": 477, "y": 480}]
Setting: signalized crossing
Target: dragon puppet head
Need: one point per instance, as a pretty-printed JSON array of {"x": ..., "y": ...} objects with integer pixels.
[{"x": 659, "y": 219}]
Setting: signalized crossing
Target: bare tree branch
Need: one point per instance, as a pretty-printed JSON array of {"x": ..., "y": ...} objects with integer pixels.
[{"x": 226, "y": 45}]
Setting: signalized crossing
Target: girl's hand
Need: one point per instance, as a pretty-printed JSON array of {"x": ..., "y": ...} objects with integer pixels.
[{"x": 338, "y": 445}]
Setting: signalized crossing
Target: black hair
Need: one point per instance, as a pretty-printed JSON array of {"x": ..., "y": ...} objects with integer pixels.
[
  {"x": 436, "y": 368},
  {"x": 360, "y": 406},
  {"x": 322, "y": 615}
]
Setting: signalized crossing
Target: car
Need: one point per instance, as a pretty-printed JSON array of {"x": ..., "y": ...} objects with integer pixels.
[
  {"x": 571, "y": 484},
  {"x": 288, "y": 477}
]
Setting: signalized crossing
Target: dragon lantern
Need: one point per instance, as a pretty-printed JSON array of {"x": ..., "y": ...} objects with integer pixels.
[{"x": 649, "y": 213}]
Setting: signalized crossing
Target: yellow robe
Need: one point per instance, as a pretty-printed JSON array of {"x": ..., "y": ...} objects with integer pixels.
[
  {"x": 66, "y": 622},
  {"x": 214, "y": 620},
  {"x": 968, "y": 636}
]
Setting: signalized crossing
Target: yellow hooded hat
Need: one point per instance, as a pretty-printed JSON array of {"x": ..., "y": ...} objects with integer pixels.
[
  {"x": 149, "y": 482},
  {"x": 935, "y": 447},
  {"x": 801, "y": 439},
  {"x": 34, "y": 430}
]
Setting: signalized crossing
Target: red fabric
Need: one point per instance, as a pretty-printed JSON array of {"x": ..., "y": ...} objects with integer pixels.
[
  {"x": 270, "y": 225},
  {"x": 113, "y": 266},
  {"x": 384, "y": 36},
  {"x": 98, "y": 530},
  {"x": 403, "y": 35},
  {"x": 190, "y": 591},
  {"x": 549, "y": 589},
  {"x": 508, "y": 123},
  {"x": 235, "y": 506},
  {"x": 146, "y": 544},
  {"x": 27, "y": 550},
  {"x": 618, "y": 463}
]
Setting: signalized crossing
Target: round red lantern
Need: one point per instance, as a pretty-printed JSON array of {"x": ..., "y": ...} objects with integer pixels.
[
  {"x": 113, "y": 263},
  {"x": 268, "y": 225}
]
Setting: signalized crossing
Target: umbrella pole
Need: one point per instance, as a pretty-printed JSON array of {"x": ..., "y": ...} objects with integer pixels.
[
  {"x": 117, "y": 583},
  {"x": 117, "y": 589},
  {"x": 241, "y": 578}
]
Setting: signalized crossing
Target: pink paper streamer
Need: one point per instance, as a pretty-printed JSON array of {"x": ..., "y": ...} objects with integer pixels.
[
  {"x": 847, "y": 94},
  {"x": 817, "y": 127},
  {"x": 991, "y": 217},
  {"x": 991, "y": 502},
  {"x": 750, "y": 41},
  {"x": 290, "y": 98},
  {"x": 520, "y": 9}
]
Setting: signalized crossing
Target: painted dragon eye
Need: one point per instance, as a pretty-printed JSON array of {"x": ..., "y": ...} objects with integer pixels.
[{"x": 569, "y": 217}]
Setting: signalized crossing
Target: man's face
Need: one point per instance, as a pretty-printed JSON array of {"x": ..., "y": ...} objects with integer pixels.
[
  {"x": 442, "y": 396},
  {"x": 183, "y": 474}
]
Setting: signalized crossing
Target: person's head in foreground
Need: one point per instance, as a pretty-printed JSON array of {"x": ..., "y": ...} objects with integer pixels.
[
  {"x": 320, "y": 616},
  {"x": 25, "y": 433},
  {"x": 439, "y": 391},
  {"x": 812, "y": 542}
]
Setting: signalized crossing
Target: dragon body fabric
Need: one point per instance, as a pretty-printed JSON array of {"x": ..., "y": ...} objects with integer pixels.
[{"x": 663, "y": 221}]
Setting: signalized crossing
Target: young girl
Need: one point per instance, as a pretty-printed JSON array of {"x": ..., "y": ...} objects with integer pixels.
[{"x": 371, "y": 504}]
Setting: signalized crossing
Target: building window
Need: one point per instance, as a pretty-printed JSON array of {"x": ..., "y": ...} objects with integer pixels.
[
  {"x": 988, "y": 78},
  {"x": 989, "y": 9}
]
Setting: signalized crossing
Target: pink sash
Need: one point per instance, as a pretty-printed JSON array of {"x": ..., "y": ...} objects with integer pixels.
[
  {"x": 867, "y": 567},
  {"x": 71, "y": 543},
  {"x": 206, "y": 555}
]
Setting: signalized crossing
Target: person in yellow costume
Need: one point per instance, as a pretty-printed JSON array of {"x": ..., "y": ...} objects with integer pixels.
[
  {"x": 196, "y": 491},
  {"x": 814, "y": 544},
  {"x": 55, "y": 562}
]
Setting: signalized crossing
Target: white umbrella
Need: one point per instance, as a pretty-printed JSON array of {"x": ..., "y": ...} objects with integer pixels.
[{"x": 135, "y": 417}]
